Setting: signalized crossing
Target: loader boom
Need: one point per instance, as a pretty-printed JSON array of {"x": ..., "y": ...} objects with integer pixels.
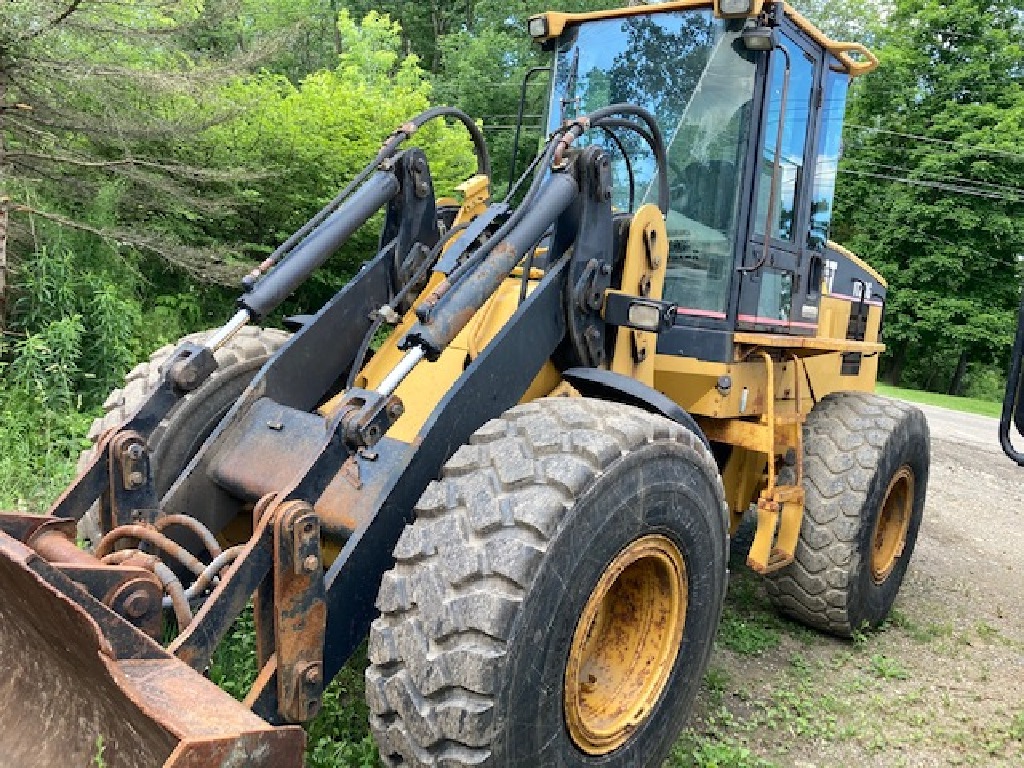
[{"x": 316, "y": 464}]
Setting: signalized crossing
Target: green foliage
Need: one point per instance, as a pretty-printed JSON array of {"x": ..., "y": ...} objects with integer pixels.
[
  {"x": 749, "y": 625},
  {"x": 985, "y": 407},
  {"x": 713, "y": 751},
  {"x": 98, "y": 759},
  {"x": 312, "y": 138},
  {"x": 339, "y": 735},
  {"x": 746, "y": 636},
  {"x": 888, "y": 668}
]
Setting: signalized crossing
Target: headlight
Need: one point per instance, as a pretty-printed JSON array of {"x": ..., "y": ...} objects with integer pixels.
[
  {"x": 645, "y": 316},
  {"x": 735, "y": 7},
  {"x": 538, "y": 27}
]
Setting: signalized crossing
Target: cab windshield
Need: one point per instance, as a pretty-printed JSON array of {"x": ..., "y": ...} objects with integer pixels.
[{"x": 693, "y": 73}]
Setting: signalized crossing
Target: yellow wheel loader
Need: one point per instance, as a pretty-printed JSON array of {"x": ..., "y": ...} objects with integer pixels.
[{"x": 510, "y": 451}]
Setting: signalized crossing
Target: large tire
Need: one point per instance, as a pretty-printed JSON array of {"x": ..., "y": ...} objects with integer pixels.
[
  {"x": 177, "y": 438},
  {"x": 489, "y": 628},
  {"x": 860, "y": 452}
]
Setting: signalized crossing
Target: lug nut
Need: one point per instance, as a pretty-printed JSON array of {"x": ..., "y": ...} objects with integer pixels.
[
  {"x": 311, "y": 563},
  {"x": 313, "y": 674}
]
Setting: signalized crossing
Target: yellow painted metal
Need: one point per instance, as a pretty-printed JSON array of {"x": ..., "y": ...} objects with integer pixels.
[
  {"x": 625, "y": 644},
  {"x": 429, "y": 382},
  {"x": 841, "y": 50},
  {"x": 476, "y": 195},
  {"x": 743, "y": 478},
  {"x": 815, "y": 343},
  {"x": 859, "y": 262},
  {"x": 556, "y": 23},
  {"x": 780, "y": 508},
  {"x": 643, "y": 274},
  {"x": 693, "y": 384},
  {"x": 759, "y": 444},
  {"x": 890, "y": 535}
]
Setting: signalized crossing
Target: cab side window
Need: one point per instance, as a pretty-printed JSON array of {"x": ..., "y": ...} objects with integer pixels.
[{"x": 830, "y": 140}]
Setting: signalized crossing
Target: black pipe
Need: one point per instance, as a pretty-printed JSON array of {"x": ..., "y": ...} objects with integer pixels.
[
  {"x": 483, "y": 157},
  {"x": 319, "y": 245},
  {"x": 454, "y": 309},
  {"x": 1011, "y": 406},
  {"x": 389, "y": 148},
  {"x": 519, "y": 121}
]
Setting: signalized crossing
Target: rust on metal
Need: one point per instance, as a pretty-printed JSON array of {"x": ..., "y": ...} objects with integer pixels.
[
  {"x": 190, "y": 523},
  {"x": 625, "y": 644},
  {"x": 78, "y": 697},
  {"x": 300, "y": 611},
  {"x": 130, "y": 591},
  {"x": 195, "y": 646},
  {"x": 149, "y": 534}
]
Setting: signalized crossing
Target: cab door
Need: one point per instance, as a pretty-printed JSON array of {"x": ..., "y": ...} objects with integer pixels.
[{"x": 777, "y": 293}]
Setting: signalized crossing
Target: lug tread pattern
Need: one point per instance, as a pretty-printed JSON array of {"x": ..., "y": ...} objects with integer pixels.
[
  {"x": 466, "y": 564},
  {"x": 844, "y": 438},
  {"x": 250, "y": 343}
]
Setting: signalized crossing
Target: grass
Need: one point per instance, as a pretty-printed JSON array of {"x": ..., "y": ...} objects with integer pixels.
[
  {"x": 964, "y": 404},
  {"x": 340, "y": 734}
]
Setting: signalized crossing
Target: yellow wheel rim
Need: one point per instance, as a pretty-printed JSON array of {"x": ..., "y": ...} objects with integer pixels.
[
  {"x": 890, "y": 536},
  {"x": 625, "y": 644}
]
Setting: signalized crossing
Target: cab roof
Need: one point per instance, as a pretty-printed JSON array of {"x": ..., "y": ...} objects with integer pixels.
[{"x": 856, "y": 57}]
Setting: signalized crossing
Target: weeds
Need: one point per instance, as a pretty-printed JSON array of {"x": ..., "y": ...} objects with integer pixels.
[
  {"x": 888, "y": 668},
  {"x": 696, "y": 751},
  {"x": 98, "y": 759}
]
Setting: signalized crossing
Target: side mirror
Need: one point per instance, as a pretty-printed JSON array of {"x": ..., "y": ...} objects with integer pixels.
[{"x": 1013, "y": 400}]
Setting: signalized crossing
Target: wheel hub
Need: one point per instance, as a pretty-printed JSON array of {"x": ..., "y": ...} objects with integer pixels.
[
  {"x": 890, "y": 535},
  {"x": 625, "y": 644}
]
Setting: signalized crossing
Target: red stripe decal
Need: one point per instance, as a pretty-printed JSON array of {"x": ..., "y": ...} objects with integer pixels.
[
  {"x": 700, "y": 313},
  {"x": 772, "y": 321}
]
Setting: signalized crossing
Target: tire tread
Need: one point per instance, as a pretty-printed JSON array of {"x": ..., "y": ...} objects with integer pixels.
[
  {"x": 465, "y": 565},
  {"x": 844, "y": 439}
]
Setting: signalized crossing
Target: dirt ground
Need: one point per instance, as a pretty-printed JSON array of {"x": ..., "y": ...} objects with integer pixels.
[{"x": 941, "y": 685}]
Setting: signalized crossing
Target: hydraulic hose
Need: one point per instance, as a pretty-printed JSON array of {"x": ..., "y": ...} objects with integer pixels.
[
  {"x": 388, "y": 149},
  {"x": 606, "y": 116}
]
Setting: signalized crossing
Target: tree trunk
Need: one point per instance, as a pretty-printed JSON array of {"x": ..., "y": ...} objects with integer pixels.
[
  {"x": 334, "y": 26},
  {"x": 899, "y": 358},
  {"x": 957, "y": 384}
]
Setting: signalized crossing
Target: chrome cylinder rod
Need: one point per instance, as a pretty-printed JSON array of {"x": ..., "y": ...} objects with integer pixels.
[
  {"x": 227, "y": 331},
  {"x": 400, "y": 371}
]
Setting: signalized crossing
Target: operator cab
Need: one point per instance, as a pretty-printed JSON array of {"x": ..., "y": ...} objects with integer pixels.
[{"x": 753, "y": 142}]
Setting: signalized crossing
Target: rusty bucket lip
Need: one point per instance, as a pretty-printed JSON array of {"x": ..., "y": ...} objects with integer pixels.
[
  {"x": 600, "y": 735},
  {"x": 175, "y": 715}
]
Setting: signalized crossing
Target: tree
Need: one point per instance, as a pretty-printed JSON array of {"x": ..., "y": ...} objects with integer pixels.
[
  {"x": 313, "y": 137},
  {"x": 100, "y": 97},
  {"x": 932, "y": 193},
  {"x": 846, "y": 20}
]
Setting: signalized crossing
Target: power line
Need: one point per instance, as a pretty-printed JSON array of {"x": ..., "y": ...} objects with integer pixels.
[
  {"x": 986, "y": 150},
  {"x": 1008, "y": 188},
  {"x": 970, "y": 192}
]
